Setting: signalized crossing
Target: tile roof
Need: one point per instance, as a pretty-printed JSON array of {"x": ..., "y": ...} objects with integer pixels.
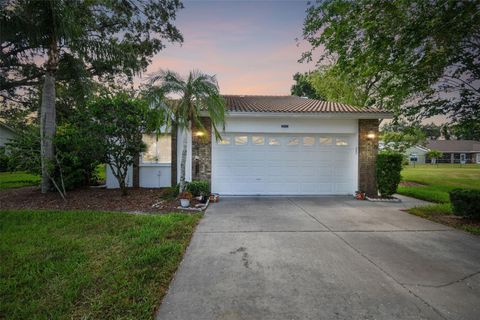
[
  {"x": 290, "y": 104},
  {"x": 454, "y": 145}
]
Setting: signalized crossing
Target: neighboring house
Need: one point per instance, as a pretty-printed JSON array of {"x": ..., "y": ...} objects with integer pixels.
[
  {"x": 456, "y": 151},
  {"x": 6, "y": 133},
  {"x": 272, "y": 145},
  {"x": 417, "y": 154}
]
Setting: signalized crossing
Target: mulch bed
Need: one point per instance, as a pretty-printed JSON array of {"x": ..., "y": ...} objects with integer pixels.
[
  {"x": 455, "y": 221},
  {"x": 411, "y": 184},
  {"x": 137, "y": 200}
]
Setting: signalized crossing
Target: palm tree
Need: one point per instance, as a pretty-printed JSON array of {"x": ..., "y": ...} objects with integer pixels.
[{"x": 198, "y": 94}]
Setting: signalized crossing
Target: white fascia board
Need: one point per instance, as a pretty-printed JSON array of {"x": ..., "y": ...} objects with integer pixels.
[{"x": 323, "y": 115}]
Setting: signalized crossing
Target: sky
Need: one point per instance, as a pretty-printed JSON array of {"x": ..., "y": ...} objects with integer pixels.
[{"x": 249, "y": 45}]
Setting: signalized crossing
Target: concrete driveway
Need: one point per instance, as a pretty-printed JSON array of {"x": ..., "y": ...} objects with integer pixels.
[{"x": 324, "y": 258}]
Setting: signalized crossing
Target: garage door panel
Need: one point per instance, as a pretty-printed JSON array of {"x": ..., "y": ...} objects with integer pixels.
[{"x": 313, "y": 168}]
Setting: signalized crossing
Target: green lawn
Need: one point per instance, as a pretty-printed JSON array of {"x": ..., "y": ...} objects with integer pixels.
[
  {"x": 436, "y": 182},
  {"x": 89, "y": 265},
  {"x": 439, "y": 180},
  {"x": 17, "y": 179}
]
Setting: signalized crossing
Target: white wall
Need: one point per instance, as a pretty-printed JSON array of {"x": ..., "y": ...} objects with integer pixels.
[
  {"x": 112, "y": 182},
  {"x": 295, "y": 125},
  {"x": 151, "y": 176},
  {"x": 155, "y": 175}
]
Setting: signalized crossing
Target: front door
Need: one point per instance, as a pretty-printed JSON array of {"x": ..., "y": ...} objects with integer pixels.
[{"x": 478, "y": 157}]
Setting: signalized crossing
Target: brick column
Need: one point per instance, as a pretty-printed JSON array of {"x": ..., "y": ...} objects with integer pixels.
[
  {"x": 367, "y": 156},
  {"x": 202, "y": 151}
]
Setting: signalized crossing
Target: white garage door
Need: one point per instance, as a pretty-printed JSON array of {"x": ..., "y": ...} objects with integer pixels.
[{"x": 281, "y": 164}]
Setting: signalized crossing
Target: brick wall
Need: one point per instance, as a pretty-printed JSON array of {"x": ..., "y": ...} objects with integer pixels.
[
  {"x": 202, "y": 152},
  {"x": 367, "y": 154}
]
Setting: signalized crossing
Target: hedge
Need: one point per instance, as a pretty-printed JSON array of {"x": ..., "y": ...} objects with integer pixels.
[
  {"x": 465, "y": 202},
  {"x": 389, "y": 166}
]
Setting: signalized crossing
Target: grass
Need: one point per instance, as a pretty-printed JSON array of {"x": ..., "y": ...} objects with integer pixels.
[
  {"x": 442, "y": 213},
  {"x": 436, "y": 182},
  {"x": 17, "y": 179},
  {"x": 20, "y": 179},
  {"x": 439, "y": 180},
  {"x": 89, "y": 265}
]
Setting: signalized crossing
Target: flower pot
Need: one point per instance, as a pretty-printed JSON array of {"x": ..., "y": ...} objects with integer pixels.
[{"x": 184, "y": 203}]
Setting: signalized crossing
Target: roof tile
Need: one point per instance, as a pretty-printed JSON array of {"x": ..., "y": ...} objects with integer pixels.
[{"x": 290, "y": 104}]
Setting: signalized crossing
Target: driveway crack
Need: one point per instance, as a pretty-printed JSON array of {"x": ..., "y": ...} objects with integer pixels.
[
  {"x": 445, "y": 284},
  {"x": 370, "y": 260}
]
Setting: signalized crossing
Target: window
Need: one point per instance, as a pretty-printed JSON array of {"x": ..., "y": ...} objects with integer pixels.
[
  {"x": 159, "y": 149},
  {"x": 258, "y": 140},
  {"x": 308, "y": 141},
  {"x": 325, "y": 140},
  {"x": 341, "y": 142},
  {"x": 294, "y": 141},
  {"x": 241, "y": 140},
  {"x": 224, "y": 140},
  {"x": 273, "y": 141}
]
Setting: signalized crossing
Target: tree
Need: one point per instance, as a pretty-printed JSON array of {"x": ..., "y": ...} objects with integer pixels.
[
  {"x": 416, "y": 58},
  {"x": 399, "y": 136},
  {"x": 434, "y": 155},
  {"x": 432, "y": 131},
  {"x": 119, "y": 121},
  {"x": 331, "y": 84},
  {"x": 303, "y": 87},
  {"x": 47, "y": 41},
  {"x": 198, "y": 93}
]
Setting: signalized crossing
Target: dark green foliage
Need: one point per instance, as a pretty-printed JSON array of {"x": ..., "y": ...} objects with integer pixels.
[
  {"x": 303, "y": 87},
  {"x": 118, "y": 122},
  {"x": 403, "y": 52},
  {"x": 78, "y": 152},
  {"x": 465, "y": 202},
  {"x": 199, "y": 188},
  {"x": 389, "y": 166},
  {"x": 171, "y": 192},
  {"x": 4, "y": 160}
]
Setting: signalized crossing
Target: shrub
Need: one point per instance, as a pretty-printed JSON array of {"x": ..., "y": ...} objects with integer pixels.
[
  {"x": 465, "y": 202},
  {"x": 77, "y": 154},
  {"x": 171, "y": 192},
  {"x": 389, "y": 166},
  {"x": 4, "y": 160},
  {"x": 199, "y": 188}
]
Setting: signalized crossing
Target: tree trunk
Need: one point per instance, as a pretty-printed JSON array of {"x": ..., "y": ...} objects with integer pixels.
[
  {"x": 183, "y": 162},
  {"x": 47, "y": 129}
]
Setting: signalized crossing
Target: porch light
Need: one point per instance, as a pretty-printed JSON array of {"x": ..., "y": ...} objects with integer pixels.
[{"x": 371, "y": 135}]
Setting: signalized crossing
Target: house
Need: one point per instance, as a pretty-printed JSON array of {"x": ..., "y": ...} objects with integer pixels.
[
  {"x": 6, "y": 134},
  {"x": 417, "y": 154},
  {"x": 456, "y": 151},
  {"x": 271, "y": 145}
]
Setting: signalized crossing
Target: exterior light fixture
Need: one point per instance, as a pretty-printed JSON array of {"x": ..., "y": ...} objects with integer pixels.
[
  {"x": 371, "y": 135},
  {"x": 199, "y": 133}
]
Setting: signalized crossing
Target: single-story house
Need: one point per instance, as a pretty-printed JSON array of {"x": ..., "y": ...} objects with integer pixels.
[
  {"x": 6, "y": 134},
  {"x": 417, "y": 154},
  {"x": 456, "y": 151},
  {"x": 271, "y": 145}
]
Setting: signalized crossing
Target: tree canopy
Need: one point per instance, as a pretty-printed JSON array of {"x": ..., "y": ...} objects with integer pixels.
[{"x": 416, "y": 58}]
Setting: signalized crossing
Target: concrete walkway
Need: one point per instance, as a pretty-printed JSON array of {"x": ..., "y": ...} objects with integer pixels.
[{"x": 324, "y": 258}]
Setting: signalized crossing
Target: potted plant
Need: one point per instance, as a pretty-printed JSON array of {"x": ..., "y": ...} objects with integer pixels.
[{"x": 185, "y": 198}]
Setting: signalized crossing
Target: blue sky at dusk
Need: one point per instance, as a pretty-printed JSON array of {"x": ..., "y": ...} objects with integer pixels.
[{"x": 249, "y": 45}]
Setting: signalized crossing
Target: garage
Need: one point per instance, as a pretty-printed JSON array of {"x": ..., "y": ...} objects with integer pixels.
[{"x": 284, "y": 164}]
